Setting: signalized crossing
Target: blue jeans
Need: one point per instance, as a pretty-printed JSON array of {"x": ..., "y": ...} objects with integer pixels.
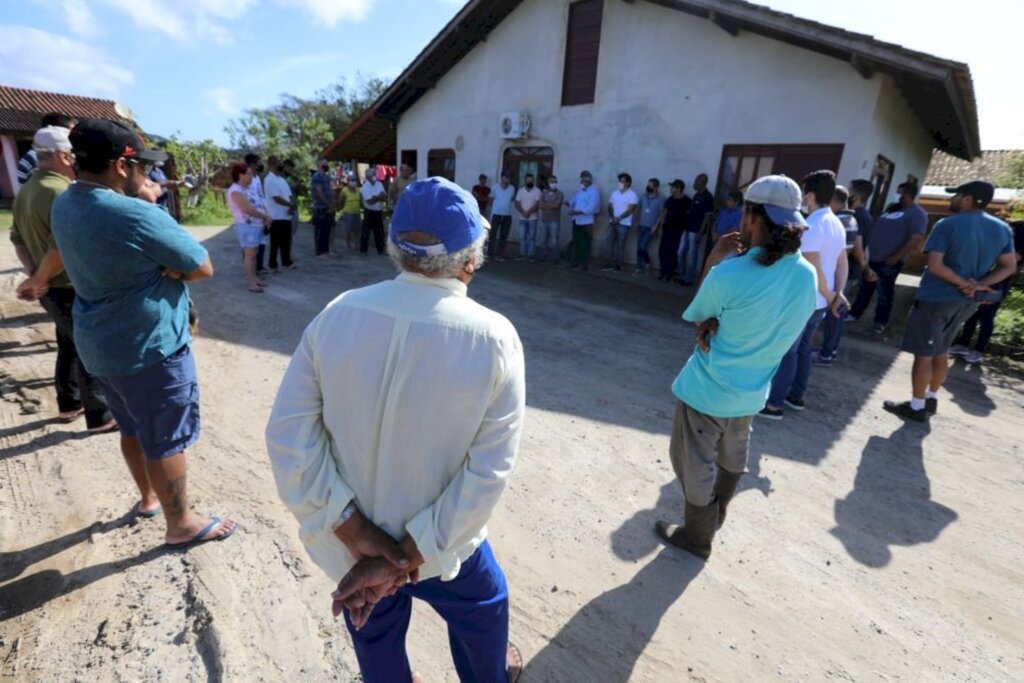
[
  {"x": 688, "y": 257},
  {"x": 527, "y": 237},
  {"x": 886, "y": 287},
  {"x": 549, "y": 239},
  {"x": 832, "y": 332},
  {"x": 790, "y": 379},
  {"x": 617, "y": 234},
  {"x": 643, "y": 243},
  {"x": 475, "y": 607}
]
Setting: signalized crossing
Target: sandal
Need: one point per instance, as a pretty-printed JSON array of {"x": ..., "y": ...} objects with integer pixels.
[
  {"x": 513, "y": 663},
  {"x": 256, "y": 289}
]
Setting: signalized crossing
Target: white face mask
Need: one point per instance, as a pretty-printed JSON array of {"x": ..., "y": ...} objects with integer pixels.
[
  {"x": 622, "y": 187},
  {"x": 553, "y": 186}
]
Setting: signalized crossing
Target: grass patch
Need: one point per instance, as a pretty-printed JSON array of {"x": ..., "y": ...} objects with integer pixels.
[
  {"x": 209, "y": 211},
  {"x": 6, "y": 219}
]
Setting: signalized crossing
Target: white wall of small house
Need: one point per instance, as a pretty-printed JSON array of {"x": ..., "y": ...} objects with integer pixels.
[{"x": 672, "y": 89}]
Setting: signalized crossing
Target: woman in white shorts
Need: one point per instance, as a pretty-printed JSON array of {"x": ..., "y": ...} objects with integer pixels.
[{"x": 249, "y": 222}]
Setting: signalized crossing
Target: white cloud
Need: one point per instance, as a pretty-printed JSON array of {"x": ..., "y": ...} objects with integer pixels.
[
  {"x": 222, "y": 99},
  {"x": 199, "y": 20},
  {"x": 31, "y": 58},
  {"x": 330, "y": 12},
  {"x": 80, "y": 19},
  {"x": 154, "y": 15}
]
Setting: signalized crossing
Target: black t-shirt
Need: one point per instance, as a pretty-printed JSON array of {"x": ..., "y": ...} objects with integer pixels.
[{"x": 676, "y": 209}]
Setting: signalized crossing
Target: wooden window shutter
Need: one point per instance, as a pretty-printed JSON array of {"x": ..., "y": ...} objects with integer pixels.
[{"x": 581, "y": 49}]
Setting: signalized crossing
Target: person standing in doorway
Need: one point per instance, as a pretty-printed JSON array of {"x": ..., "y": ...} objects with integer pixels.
[
  {"x": 621, "y": 207},
  {"x": 280, "y": 206},
  {"x": 749, "y": 310},
  {"x": 894, "y": 236},
  {"x": 551, "y": 202},
  {"x": 373, "y": 220},
  {"x": 322, "y": 195},
  {"x": 482, "y": 194},
  {"x": 670, "y": 227},
  {"x": 129, "y": 263},
  {"x": 824, "y": 246},
  {"x": 969, "y": 253},
  {"x": 832, "y": 326},
  {"x": 584, "y": 206},
  {"x": 394, "y": 504},
  {"x": 502, "y": 196},
  {"x": 703, "y": 203},
  {"x": 78, "y": 392},
  {"x": 652, "y": 204},
  {"x": 528, "y": 207}
]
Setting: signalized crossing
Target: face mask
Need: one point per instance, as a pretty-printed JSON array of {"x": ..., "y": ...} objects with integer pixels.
[
  {"x": 529, "y": 186},
  {"x": 553, "y": 186},
  {"x": 622, "y": 187},
  {"x": 650, "y": 189},
  {"x": 352, "y": 185},
  {"x": 259, "y": 169}
]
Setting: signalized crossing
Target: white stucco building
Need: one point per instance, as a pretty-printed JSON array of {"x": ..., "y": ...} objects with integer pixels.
[{"x": 666, "y": 89}]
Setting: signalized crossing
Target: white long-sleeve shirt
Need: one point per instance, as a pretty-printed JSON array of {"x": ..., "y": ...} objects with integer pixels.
[{"x": 408, "y": 397}]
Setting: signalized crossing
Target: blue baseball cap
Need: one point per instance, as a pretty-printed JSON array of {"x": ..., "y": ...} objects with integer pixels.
[{"x": 437, "y": 206}]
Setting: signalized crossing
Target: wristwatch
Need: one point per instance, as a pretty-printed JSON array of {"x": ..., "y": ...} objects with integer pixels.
[{"x": 346, "y": 514}]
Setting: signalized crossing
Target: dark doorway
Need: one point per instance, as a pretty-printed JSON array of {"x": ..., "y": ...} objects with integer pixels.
[
  {"x": 520, "y": 161},
  {"x": 743, "y": 164},
  {"x": 881, "y": 176}
]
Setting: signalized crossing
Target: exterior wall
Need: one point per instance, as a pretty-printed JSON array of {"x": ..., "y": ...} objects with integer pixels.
[
  {"x": 8, "y": 167},
  {"x": 671, "y": 91},
  {"x": 896, "y": 134}
]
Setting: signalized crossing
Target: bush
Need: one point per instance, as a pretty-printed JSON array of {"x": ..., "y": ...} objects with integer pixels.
[
  {"x": 209, "y": 211},
  {"x": 1010, "y": 320}
]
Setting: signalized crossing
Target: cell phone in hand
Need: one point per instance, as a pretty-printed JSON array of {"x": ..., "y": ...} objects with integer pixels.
[{"x": 991, "y": 297}]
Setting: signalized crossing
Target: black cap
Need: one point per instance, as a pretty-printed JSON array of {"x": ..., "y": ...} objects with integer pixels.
[
  {"x": 677, "y": 183},
  {"x": 982, "y": 191},
  {"x": 109, "y": 141},
  {"x": 586, "y": 174}
]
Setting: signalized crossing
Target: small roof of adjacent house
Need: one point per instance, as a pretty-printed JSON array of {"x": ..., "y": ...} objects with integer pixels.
[
  {"x": 994, "y": 165},
  {"x": 21, "y": 109},
  {"x": 939, "y": 91}
]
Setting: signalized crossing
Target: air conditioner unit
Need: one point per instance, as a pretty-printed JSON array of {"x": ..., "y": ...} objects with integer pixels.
[{"x": 514, "y": 125}]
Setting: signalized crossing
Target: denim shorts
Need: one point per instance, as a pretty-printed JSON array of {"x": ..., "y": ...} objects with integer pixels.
[
  {"x": 249, "y": 236},
  {"x": 159, "y": 405}
]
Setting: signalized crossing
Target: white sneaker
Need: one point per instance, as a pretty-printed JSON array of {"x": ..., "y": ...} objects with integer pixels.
[
  {"x": 958, "y": 350},
  {"x": 974, "y": 357}
]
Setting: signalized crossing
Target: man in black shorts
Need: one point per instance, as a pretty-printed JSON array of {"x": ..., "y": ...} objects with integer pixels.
[{"x": 968, "y": 253}]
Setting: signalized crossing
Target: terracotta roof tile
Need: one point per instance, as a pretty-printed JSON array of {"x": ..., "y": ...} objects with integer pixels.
[
  {"x": 947, "y": 170},
  {"x": 22, "y": 109}
]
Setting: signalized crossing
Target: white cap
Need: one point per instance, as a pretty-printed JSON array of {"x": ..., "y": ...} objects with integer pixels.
[
  {"x": 780, "y": 196},
  {"x": 52, "y": 139}
]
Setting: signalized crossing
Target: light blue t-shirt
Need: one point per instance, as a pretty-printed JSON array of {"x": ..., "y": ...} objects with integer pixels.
[
  {"x": 761, "y": 310},
  {"x": 501, "y": 200},
  {"x": 970, "y": 243},
  {"x": 128, "y": 315}
]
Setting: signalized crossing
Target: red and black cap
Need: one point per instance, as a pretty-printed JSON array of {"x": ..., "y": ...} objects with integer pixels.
[
  {"x": 981, "y": 191},
  {"x": 110, "y": 140}
]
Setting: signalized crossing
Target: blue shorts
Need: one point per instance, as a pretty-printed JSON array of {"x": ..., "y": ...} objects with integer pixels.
[
  {"x": 249, "y": 236},
  {"x": 159, "y": 405}
]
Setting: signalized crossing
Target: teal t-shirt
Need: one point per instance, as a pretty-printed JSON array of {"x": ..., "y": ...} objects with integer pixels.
[
  {"x": 971, "y": 244},
  {"x": 761, "y": 310},
  {"x": 128, "y": 315}
]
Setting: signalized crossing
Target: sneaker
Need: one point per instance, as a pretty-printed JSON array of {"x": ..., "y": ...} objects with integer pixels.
[
  {"x": 638, "y": 272},
  {"x": 608, "y": 268},
  {"x": 849, "y": 319},
  {"x": 877, "y": 328},
  {"x": 974, "y": 357},
  {"x": 931, "y": 405},
  {"x": 771, "y": 413},
  {"x": 958, "y": 350},
  {"x": 905, "y": 411},
  {"x": 822, "y": 360},
  {"x": 795, "y": 403},
  {"x": 520, "y": 258}
]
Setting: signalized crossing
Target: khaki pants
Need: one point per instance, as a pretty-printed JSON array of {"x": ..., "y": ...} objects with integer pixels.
[{"x": 700, "y": 442}]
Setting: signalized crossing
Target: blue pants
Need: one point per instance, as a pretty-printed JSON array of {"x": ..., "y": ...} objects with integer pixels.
[
  {"x": 617, "y": 235},
  {"x": 791, "y": 378},
  {"x": 475, "y": 607},
  {"x": 886, "y": 287},
  {"x": 549, "y": 239},
  {"x": 643, "y": 244},
  {"x": 688, "y": 257},
  {"x": 527, "y": 237},
  {"x": 832, "y": 332}
]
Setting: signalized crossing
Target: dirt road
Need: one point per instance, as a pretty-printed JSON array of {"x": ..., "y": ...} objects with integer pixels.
[{"x": 859, "y": 548}]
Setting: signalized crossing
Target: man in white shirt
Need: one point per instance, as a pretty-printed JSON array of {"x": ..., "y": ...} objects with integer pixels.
[
  {"x": 502, "y": 197},
  {"x": 373, "y": 216},
  {"x": 824, "y": 245},
  {"x": 399, "y": 419},
  {"x": 280, "y": 207},
  {"x": 621, "y": 206},
  {"x": 528, "y": 208},
  {"x": 258, "y": 199}
]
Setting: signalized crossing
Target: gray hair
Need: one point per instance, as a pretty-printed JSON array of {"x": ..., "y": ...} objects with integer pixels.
[{"x": 439, "y": 266}]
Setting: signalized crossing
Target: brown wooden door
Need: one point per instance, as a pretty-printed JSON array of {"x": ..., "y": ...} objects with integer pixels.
[
  {"x": 518, "y": 161},
  {"x": 743, "y": 164}
]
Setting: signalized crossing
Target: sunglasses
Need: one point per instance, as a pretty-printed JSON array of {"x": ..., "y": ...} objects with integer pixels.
[{"x": 147, "y": 166}]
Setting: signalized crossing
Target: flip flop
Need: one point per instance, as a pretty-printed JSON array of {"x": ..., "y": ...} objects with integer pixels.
[
  {"x": 69, "y": 416},
  {"x": 198, "y": 538},
  {"x": 514, "y": 663},
  {"x": 148, "y": 515}
]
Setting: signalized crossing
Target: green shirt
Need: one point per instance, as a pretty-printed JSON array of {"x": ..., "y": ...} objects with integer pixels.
[
  {"x": 32, "y": 218},
  {"x": 351, "y": 197}
]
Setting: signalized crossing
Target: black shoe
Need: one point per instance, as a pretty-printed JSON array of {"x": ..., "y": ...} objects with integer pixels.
[
  {"x": 931, "y": 405},
  {"x": 771, "y": 413},
  {"x": 905, "y": 411},
  {"x": 697, "y": 532},
  {"x": 725, "y": 488},
  {"x": 795, "y": 403}
]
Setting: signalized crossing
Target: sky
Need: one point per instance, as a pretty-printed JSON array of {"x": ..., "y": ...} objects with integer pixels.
[{"x": 187, "y": 67}]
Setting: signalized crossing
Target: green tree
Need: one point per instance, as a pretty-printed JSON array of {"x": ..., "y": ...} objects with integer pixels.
[{"x": 201, "y": 160}]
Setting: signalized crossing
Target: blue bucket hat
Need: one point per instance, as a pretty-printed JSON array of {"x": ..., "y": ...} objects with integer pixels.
[{"x": 436, "y": 206}]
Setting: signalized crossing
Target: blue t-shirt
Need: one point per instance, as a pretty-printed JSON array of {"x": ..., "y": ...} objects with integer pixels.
[
  {"x": 970, "y": 242},
  {"x": 158, "y": 176},
  {"x": 761, "y": 310},
  {"x": 322, "y": 181},
  {"x": 128, "y": 315},
  {"x": 727, "y": 220},
  {"x": 501, "y": 200}
]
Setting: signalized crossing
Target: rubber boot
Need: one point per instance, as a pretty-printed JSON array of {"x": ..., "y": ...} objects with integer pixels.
[
  {"x": 725, "y": 488},
  {"x": 697, "y": 532}
]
